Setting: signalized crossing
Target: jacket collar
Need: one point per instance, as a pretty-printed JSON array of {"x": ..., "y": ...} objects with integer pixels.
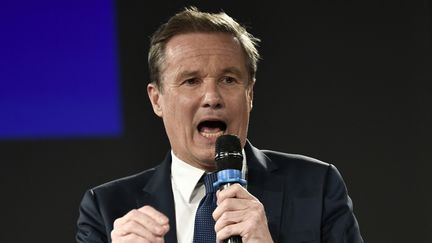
[
  {"x": 263, "y": 183},
  {"x": 266, "y": 185}
]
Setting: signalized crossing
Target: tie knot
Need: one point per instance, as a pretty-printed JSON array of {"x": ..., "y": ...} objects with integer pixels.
[{"x": 209, "y": 179}]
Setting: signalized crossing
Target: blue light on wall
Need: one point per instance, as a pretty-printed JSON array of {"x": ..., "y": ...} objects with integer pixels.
[{"x": 59, "y": 71}]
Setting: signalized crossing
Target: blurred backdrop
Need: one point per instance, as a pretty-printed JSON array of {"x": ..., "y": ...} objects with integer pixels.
[{"x": 347, "y": 83}]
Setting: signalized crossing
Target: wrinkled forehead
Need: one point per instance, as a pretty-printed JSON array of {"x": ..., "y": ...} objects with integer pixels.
[
  {"x": 195, "y": 50},
  {"x": 195, "y": 44},
  {"x": 203, "y": 41}
]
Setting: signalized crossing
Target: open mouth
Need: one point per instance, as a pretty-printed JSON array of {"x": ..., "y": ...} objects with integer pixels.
[{"x": 212, "y": 129}]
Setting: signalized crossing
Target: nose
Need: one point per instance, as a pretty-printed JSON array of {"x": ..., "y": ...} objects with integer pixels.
[{"x": 212, "y": 95}]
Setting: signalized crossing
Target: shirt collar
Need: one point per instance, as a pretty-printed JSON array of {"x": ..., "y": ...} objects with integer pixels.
[{"x": 186, "y": 176}]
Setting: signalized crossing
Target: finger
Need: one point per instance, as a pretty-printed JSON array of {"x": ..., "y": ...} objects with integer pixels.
[
  {"x": 151, "y": 224},
  {"x": 232, "y": 191},
  {"x": 248, "y": 229},
  {"x": 153, "y": 213},
  {"x": 144, "y": 219},
  {"x": 228, "y": 218},
  {"x": 134, "y": 228},
  {"x": 229, "y": 230},
  {"x": 231, "y": 204}
]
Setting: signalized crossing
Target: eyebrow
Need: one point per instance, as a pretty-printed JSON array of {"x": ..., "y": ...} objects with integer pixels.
[
  {"x": 231, "y": 70},
  {"x": 184, "y": 74}
]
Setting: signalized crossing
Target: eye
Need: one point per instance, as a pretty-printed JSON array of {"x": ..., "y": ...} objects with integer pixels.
[
  {"x": 191, "y": 81},
  {"x": 229, "y": 80}
]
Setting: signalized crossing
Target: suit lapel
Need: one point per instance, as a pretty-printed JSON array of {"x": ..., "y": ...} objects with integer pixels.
[
  {"x": 265, "y": 185},
  {"x": 158, "y": 193}
]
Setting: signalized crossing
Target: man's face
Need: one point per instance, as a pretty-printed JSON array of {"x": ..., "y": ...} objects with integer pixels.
[{"x": 205, "y": 93}]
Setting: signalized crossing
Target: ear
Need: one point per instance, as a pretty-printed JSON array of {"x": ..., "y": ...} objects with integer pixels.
[
  {"x": 155, "y": 98},
  {"x": 250, "y": 94}
]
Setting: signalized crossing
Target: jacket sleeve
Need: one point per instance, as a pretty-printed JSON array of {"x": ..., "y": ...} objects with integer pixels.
[
  {"x": 339, "y": 224},
  {"x": 91, "y": 227}
]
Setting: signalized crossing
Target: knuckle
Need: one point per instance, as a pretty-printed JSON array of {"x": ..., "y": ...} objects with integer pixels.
[
  {"x": 223, "y": 216},
  {"x": 228, "y": 230},
  {"x": 113, "y": 235},
  {"x": 220, "y": 224},
  {"x": 226, "y": 217},
  {"x": 158, "y": 230},
  {"x": 250, "y": 226},
  {"x": 257, "y": 206},
  {"x": 260, "y": 209},
  {"x": 133, "y": 213},
  {"x": 256, "y": 215},
  {"x": 131, "y": 238},
  {"x": 117, "y": 222},
  {"x": 146, "y": 208},
  {"x": 129, "y": 226},
  {"x": 220, "y": 235},
  {"x": 215, "y": 215},
  {"x": 221, "y": 207},
  {"x": 117, "y": 235}
]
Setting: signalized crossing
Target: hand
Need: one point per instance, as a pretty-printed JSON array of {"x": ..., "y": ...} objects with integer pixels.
[
  {"x": 240, "y": 213},
  {"x": 143, "y": 225}
]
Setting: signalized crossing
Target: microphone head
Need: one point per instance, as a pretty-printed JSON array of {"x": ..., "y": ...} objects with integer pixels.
[{"x": 228, "y": 153}]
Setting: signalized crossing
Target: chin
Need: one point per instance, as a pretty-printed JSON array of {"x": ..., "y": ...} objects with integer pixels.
[
  {"x": 209, "y": 166},
  {"x": 207, "y": 160}
]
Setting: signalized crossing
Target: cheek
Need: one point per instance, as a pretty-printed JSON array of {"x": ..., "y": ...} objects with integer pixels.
[
  {"x": 181, "y": 110},
  {"x": 241, "y": 109}
]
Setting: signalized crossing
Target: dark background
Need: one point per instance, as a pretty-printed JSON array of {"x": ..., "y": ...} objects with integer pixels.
[{"x": 348, "y": 83}]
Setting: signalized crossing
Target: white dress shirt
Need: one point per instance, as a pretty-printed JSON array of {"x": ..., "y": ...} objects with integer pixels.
[{"x": 188, "y": 192}]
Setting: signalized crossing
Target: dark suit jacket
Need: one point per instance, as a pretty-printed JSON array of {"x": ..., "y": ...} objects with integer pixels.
[{"x": 305, "y": 200}]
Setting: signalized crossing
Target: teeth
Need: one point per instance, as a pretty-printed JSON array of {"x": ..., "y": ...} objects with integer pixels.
[{"x": 212, "y": 134}]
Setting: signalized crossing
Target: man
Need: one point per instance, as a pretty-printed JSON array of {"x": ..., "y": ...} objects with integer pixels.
[{"x": 202, "y": 69}]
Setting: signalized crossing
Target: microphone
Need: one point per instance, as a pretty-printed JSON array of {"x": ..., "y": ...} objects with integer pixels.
[{"x": 229, "y": 162}]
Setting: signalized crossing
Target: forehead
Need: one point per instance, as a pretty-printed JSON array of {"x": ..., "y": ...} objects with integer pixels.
[{"x": 190, "y": 46}]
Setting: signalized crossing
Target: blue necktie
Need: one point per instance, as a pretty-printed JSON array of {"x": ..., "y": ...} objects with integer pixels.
[{"x": 204, "y": 223}]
